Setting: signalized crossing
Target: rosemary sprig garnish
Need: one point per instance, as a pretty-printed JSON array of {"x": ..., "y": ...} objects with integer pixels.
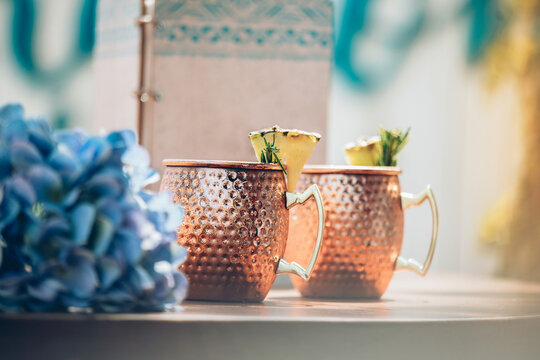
[
  {"x": 269, "y": 154},
  {"x": 392, "y": 142}
]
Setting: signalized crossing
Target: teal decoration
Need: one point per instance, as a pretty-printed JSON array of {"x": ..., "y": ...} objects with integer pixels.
[
  {"x": 263, "y": 30},
  {"x": 353, "y": 21},
  {"x": 355, "y": 24},
  {"x": 23, "y": 34},
  {"x": 87, "y": 29},
  {"x": 314, "y": 43},
  {"x": 488, "y": 20},
  {"x": 53, "y": 81},
  {"x": 23, "y": 30},
  {"x": 255, "y": 29}
]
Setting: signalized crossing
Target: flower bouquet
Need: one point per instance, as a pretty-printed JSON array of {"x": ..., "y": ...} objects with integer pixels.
[{"x": 78, "y": 232}]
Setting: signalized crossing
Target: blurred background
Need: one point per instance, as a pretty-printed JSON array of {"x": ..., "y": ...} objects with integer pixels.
[{"x": 463, "y": 74}]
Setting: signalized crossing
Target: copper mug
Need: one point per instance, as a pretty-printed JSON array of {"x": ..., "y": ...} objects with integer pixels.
[
  {"x": 363, "y": 231},
  {"x": 236, "y": 222}
]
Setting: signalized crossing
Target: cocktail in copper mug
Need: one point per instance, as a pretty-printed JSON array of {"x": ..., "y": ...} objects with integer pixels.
[
  {"x": 363, "y": 231},
  {"x": 236, "y": 226}
]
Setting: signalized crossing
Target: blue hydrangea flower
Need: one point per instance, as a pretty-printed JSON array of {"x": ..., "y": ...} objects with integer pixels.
[{"x": 77, "y": 228}]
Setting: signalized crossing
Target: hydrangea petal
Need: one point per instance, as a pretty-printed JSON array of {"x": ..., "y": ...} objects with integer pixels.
[
  {"x": 136, "y": 220},
  {"x": 22, "y": 190},
  {"x": 79, "y": 276},
  {"x": 46, "y": 290},
  {"x": 122, "y": 140},
  {"x": 39, "y": 134},
  {"x": 180, "y": 286},
  {"x": 46, "y": 182},
  {"x": 72, "y": 140},
  {"x": 23, "y": 155},
  {"x": 102, "y": 235},
  {"x": 71, "y": 197},
  {"x": 54, "y": 227},
  {"x": 9, "y": 209},
  {"x": 5, "y": 163},
  {"x": 105, "y": 184},
  {"x": 10, "y": 284},
  {"x": 75, "y": 303},
  {"x": 11, "y": 112},
  {"x": 117, "y": 299},
  {"x": 108, "y": 271},
  {"x": 15, "y": 130},
  {"x": 126, "y": 247},
  {"x": 82, "y": 219},
  {"x": 178, "y": 254},
  {"x": 66, "y": 165},
  {"x": 112, "y": 210},
  {"x": 94, "y": 151},
  {"x": 140, "y": 279},
  {"x": 162, "y": 288},
  {"x": 137, "y": 165},
  {"x": 51, "y": 243}
]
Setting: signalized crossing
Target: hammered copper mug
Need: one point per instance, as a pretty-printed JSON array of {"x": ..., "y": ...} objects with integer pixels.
[
  {"x": 363, "y": 231},
  {"x": 235, "y": 228}
]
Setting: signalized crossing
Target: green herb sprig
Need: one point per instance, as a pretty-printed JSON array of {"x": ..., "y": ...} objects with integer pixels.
[
  {"x": 269, "y": 155},
  {"x": 392, "y": 142}
]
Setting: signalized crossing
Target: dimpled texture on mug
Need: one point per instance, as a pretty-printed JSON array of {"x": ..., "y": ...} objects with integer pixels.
[
  {"x": 235, "y": 230},
  {"x": 362, "y": 235}
]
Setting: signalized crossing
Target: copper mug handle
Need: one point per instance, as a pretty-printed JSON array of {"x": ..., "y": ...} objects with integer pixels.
[
  {"x": 408, "y": 200},
  {"x": 293, "y": 199}
]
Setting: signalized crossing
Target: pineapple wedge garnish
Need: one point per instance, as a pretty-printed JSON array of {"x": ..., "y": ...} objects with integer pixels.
[
  {"x": 293, "y": 149},
  {"x": 364, "y": 151}
]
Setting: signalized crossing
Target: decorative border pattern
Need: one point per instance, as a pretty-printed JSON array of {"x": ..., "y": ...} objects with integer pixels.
[
  {"x": 265, "y": 29},
  {"x": 117, "y": 35}
]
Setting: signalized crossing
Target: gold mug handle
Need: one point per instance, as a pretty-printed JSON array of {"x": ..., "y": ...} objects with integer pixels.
[
  {"x": 408, "y": 200},
  {"x": 292, "y": 200}
]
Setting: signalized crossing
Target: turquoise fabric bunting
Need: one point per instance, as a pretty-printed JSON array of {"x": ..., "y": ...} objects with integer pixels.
[{"x": 23, "y": 40}]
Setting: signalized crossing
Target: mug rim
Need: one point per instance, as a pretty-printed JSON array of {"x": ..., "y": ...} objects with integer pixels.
[
  {"x": 246, "y": 165},
  {"x": 350, "y": 169}
]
